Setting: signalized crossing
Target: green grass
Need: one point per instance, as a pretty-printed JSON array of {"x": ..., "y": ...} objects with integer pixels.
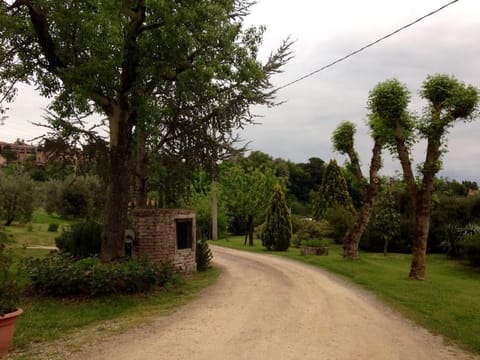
[
  {"x": 447, "y": 302},
  {"x": 41, "y": 217},
  {"x": 36, "y": 232}
]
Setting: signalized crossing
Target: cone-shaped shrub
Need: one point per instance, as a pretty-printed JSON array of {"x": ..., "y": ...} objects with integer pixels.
[
  {"x": 333, "y": 192},
  {"x": 277, "y": 230}
]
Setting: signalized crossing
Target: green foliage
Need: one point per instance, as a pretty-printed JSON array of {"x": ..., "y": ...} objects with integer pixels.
[
  {"x": 277, "y": 229},
  {"x": 457, "y": 100},
  {"x": 388, "y": 100},
  {"x": 333, "y": 191},
  {"x": 16, "y": 197},
  {"x": 202, "y": 204},
  {"x": 60, "y": 275},
  {"x": 388, "y": 103},
  {"x": 245, "y": 192},
  {"x": 303, "y": 178},
  {"x": 343, "y": 137},
  {"x": 203, "y": 255},
  {"x": 9, "y": 289},
  {"x": 75, "y": 197},
  {"x": 341, "y": 220},
  {"x": 461, "y": 241},
  {"x": 384, "y": 227},
  {"x": 471, "y": 244},
  {"x": 81, "y": 239},
  {"x": 450, "y": 215},
  {"x": 53, "y": 227},
  {"x": 312, "y": 230}
]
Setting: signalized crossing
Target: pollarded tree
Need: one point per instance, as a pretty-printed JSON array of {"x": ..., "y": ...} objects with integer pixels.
[
  {"x": 343, "y": 140},
  {"x": 120, "y": 59},
  {"x": 333, "y": 191},
  {"x": 387, "y": 103},
  {"x": 277, "y": 229},
  {"x": 448, "y": 101}
]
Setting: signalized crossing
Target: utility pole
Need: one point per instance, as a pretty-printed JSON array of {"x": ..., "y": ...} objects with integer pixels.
[{"x": 214, "y": 197}]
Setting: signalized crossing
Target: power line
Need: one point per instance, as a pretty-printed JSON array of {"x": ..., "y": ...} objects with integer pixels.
[{"x": 368, "y": 45}]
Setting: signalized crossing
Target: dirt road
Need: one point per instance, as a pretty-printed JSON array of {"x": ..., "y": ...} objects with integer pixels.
[{"x": 266, "y": 307}]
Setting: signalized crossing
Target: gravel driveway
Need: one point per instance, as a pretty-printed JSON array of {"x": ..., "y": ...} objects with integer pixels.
[{"x": 267, "y": 307}]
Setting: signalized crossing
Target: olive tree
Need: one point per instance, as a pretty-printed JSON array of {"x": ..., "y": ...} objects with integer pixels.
[{"x": 16, "y": 197}]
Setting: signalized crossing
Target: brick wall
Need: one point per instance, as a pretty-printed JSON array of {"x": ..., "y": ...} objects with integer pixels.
[{"x": 156, "y": 237}]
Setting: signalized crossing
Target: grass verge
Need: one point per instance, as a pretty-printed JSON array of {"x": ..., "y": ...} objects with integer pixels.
[{"x": 446, "y": 303}]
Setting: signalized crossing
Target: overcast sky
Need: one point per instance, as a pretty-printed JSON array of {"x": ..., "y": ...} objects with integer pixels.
[{"x": 446, "y": 42}]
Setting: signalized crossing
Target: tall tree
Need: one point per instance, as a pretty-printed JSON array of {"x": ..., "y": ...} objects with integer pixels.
[
  {"x": 386, "y": 104},
  {"x": 245, "y": 193},
  {"x": 448, "y": 101},
  {"x": 119, "y": 59}
]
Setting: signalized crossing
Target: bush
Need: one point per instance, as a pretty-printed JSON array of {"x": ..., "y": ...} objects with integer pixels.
[
  {"x": 310, "y": 230},
  {"x": 297, "y": 222},
  {"x": 75, "y": 197},
  {"x": 451, "y": 210},
  {"x": 9, "y": 290},
  {"x": 318, "y": 243},
  {"x": 61, "y": 275},
  {"x": 203, "y": 255},
  {"x": 81, "y": 240},
  {"x": 341, "y": 221},
  {"x": 471, "y": 245},
  {"x": 53, "y": 227}
]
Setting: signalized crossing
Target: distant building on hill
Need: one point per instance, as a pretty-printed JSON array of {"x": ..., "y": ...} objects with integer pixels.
[{"x": 17, "y": 152}]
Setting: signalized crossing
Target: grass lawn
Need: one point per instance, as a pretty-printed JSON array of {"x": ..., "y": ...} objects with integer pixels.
[
  {"x": 447, "y": 302},
  {"x": 36, "y": 232}
]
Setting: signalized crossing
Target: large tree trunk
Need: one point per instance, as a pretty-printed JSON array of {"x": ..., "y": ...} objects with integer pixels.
[
  {"x": 141, "y": 170},
  {"x": 423, "y": 208},
  {"x": 352, "y": 239},
  {"x": 113, "y": 247},
  {"x": 419, "y": 247}
]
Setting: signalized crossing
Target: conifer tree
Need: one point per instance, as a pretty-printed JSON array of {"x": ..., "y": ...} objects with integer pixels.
[
  {"x": 277, "y": 230},
  {"x": 333, "y": 191}
]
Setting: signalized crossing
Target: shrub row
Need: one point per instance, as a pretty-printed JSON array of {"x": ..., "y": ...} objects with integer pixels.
[{"x": 60, "y": 275}]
